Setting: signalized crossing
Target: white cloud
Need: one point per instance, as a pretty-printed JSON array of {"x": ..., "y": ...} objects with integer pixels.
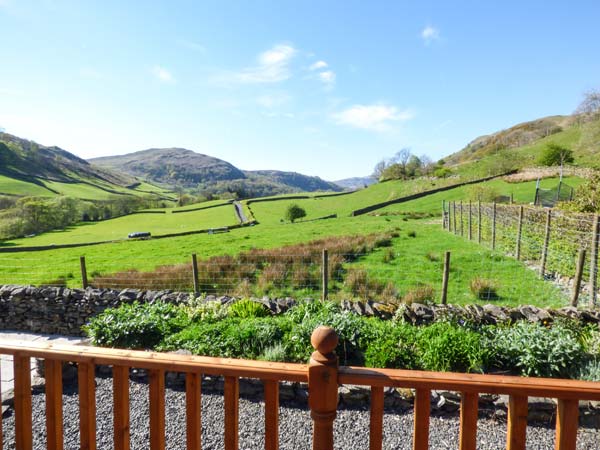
[
  {"x": 163, "y": 74},
  {"x": 327, "y": 77},
  {"x": 430, "y": 34},
  {"x": 377, "y": 117},
  {"x": 273, "y": 67},
  {"x": 319, "y": 65},
  {"x": 190, "y": 45},
  {"x": 273, "y": 100}
]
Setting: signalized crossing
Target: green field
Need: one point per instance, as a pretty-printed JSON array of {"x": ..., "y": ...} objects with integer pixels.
[
  {"x": 12, "y": 186},
  {"x": 410, "y": 262},
  {"x": 119, "y": 228},
  {"x": 522, "y": 193}
]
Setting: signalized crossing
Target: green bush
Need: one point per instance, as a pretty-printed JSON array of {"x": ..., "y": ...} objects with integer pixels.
[
  {"x": 199, "y": 310},
  {"x": 533, "y": 350},
  {"x": 446, "y": 347},
  {"x": 246, "y": 309},
  {"x": 228, "y": 338},
  {"x": 389, "y": 344},
  {"x": 136, "y": 325}
]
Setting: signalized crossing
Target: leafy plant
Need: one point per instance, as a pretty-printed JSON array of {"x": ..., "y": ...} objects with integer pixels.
[
  {"x": 446, "y": 347},
  {"x": 199, "y": 310},
  {"x": 246, "y": 309},
  {"x": 389, "y": 344},
  {"x": 136, "y": 325},
  {"x": 533, "y": 350}
]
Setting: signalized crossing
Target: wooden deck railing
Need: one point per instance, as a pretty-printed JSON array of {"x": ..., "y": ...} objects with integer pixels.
[{"x": 322, "y": 374}]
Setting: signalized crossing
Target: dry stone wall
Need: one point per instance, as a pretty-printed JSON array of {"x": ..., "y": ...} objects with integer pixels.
[{"x": 59, "y": 310}]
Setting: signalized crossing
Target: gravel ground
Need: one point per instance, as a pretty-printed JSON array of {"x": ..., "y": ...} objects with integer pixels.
[{"x": 351, "y": 426}]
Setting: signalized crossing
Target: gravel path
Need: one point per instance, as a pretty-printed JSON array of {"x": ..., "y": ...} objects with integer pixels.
[{"x": 351, "y": 426}]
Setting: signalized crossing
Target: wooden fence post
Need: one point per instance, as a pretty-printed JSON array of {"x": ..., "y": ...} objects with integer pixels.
[
  {"x": 323, "y": 386},
  {"x": 445, "y": 275},
  {"x": 519, "y": 232},
  {"x": 462, "y": 233},
  {"x": 449, "y": 216},
  {"x": 546, "y": 242},
  {"x": 195, "y": 275},
  {"x": 84, "y": 279},
  {"x": 494, "y": 226},
  {"x": 594, "y": 260},
  {"x": 443, "y": 214},
  {"x": 470, "y": 222},
  {"x": 454, "y": 216},
  {"x": 479, "y": 221},
  {"x": 325, "y": 272},
  {"x": 578, "y": 275}
]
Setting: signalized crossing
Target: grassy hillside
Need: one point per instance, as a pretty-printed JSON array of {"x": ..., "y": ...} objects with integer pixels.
[
  {"x": 524, "y": 143},
  {"x": 31, "y": 169}
]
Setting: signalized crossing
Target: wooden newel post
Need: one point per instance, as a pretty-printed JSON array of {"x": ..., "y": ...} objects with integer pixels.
[
  {"x": 323, "y": 386},
  {"x": 325, "y": 275}
]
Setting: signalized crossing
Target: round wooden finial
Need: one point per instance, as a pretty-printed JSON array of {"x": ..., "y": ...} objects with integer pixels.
[{"x": 324, "y": 340}]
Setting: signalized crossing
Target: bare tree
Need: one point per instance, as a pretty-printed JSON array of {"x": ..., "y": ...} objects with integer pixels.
[
  {"x": 402, "y": 157},
  {"x": 379, "y": 168},
  {"x": 590, "y": 103}
]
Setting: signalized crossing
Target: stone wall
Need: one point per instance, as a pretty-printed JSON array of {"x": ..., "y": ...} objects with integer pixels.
[{"x": 59, "y": 310}]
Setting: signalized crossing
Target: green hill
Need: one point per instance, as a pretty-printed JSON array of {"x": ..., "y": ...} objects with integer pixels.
[
  {"x": 209, "y": 175},
  {"x": 30, "y": 169},
  {"x": 521, "y": 145}
]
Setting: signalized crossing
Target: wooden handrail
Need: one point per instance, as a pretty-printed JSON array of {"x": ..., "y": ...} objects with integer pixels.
[{"x": 322, "y": 374}]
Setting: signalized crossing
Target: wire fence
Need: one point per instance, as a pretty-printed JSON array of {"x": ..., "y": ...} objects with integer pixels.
[
  {"x": 378, "y": 268},
  {"x": 561, "y": 246}
]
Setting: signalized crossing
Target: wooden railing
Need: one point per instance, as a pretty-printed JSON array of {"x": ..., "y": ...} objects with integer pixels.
[{"x": 322, "y": 374}]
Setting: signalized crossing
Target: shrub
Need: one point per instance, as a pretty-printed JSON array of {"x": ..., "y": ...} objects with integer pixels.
[
  {"x": 275, "y": 353},
  {"x": 136, "y": 325},
  {"x": 532, "y": 350},
  {"x": 390, "y": 345},
  {"x": 388, "y": 256},
  {"x": 446, "y": 347},
  {"x": 199, "y": 310},
  {"x": 433, "y": 257},
  {"x": 484, "y": 289},
  {"x": 590, "y": 370},
  {"x": 228, "y": 338},
  {"x": 412, "y": 234},
  {"x": 294, "y": 212},
  {"x": 419, "y": 294},
  {"x": 247, "y": 309},
  {"x": 555, "y": 155}
]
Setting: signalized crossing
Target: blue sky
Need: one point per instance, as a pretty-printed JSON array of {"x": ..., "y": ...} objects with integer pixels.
[{"x": 324, "y": 88}]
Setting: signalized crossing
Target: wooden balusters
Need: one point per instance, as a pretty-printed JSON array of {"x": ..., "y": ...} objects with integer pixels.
[
  {"x": 54, "y": 411},
  {"x": 121, "y": 407},
  {"x": 1, "y": 445},
  {"x": 87, "y": 406},
  {"x": 193, "y": 409},
  {"x": 376, "y": 423},
  {"x": 157, "y": 410},
  {"x": 567, "y": 421},
  {"x": 271, "y": 415},
  {"x": 22, "y": 377},
  {"x": 469, "y": 405},
  {"x": 517, "y": 423},
  {"x": 232, "y": 393},
  {"x": 421, "y": 419},
  {"x": 323, "y": 386}
]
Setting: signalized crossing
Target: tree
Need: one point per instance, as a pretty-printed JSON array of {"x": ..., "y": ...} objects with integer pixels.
[
  {"x": 590, "y": 103},
  {"x": 379, "y": 169},
  {"x": 294, "y": 212},
  {"x": 554, "y": 155}
]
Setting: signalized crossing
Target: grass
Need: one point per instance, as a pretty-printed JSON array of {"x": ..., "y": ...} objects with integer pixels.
[
  {"x": 411, "y": 267},
  {"x": 273, "y": 212},
  {"x": 120, "y": 227},
  {"x": 522, "y": 193},
  {"x": 13, "y": 186}
]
